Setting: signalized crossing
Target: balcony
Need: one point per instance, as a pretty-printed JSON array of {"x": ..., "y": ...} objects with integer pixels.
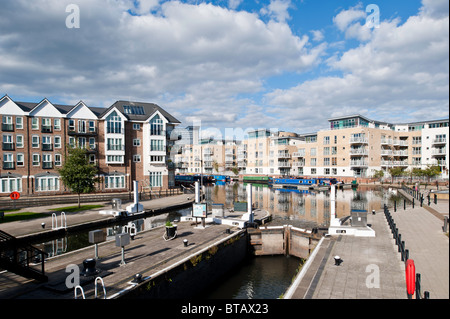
[
  {"x": 398, "y": 142},
  {"x": 359, "y": 140},
  {"x": 439, "y": 151},
  {"x": 208, "y": 151},
  {"x": 439, "y": 162},
  {"x": 7, "y": 127},
  {"x": 284, "y": 155},
  {"x": 46, "y": 129},
  {"x": 440, "y": 140},
  {"x": 298, "y": 164},
  {"x": 298, "y": 154},
  {"x": 156, "y": 132},
  {"x": 47, "y": 147},
  {"x": 91, "y": 132},
  {"x": 394, "y": 163},
  {"x": 47, "y": 165},
  {"x": 284, "y": 164},
  {"x": 109, "y": 130},
  {"x": 8, "y": 165},
  {"x": 358, "y": 164},
  {"x": 358, "y": 151},
  {"x": 113, "y": 147},
  {"x": 242, "y": 164},
  {"x": 385, "y": 152},
  {"x": 8, "y": 147},
  {"x": 386, "y": 141}
]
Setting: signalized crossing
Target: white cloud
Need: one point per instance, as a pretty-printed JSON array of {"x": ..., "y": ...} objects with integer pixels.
[
  {"x": 278, "y": 10},
  {"x": 346, "y": 17},
  {"x": 400, "y": 74},
  {"x": 233, "y": 4},
  {"x": 317, "y": 35}
]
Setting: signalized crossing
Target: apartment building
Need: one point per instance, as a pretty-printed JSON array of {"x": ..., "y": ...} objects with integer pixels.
[
  {"x": 209, "y": 156},
  {"x": 127, "y": 141},
  {"x": 352, "y": 146}
]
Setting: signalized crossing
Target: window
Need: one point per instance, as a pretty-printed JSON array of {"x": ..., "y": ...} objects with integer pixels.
[
  {"x": 46, "y": 125},
  {"x": 136, "y": 158},
  {"x": 92, "y": 143},
  {"x": 47, "y": 143},
  {"x": 114, "y": 124},
  {"x": 35, "y": 160},
  {"x": 92, "y": 159},
  {"x": 35, "y": 123},
  {"x": 20, "y": 159},
  {"x": 47, "y": 183},
  {"x": 47, "y": 161},
  {"x": 114, "y": 144},
  {"x": 8, "y": 143},
  {"x": 8, "y": 185},
  {"x": 313, "y": 171},
  {"x": 157, "y": 145},
  {"x": 158, "y": 159},
  {"x": 313, "y": 151},
  {"x": 326, "y": 161},
  {"x": 326, "y": 151},
  {"x": 156, "y": 126},
  {"x": 334, "y": 161},
  {"x": 334, "y": 171},
  {"x": 8, "y": 161},
  {"x": 155, "y": 179},
  {"x": 71, "y": 125},
  {"x": 7, "y": 123},
  {"x": 57, "y": 141},
  {"x": 58, "y": 160},
  {"x": 19, "y": 122},
  {"x": 136, "y": 142},
  {"x": 115, "y": 181},
  {"x": 35, "y": 141},
  {"x": 313, "y": 161},
  {"x": 326, "y": 140},
  {"x": 335, "y": 139},
  {"x": 81, "y": 126},
  {"x": 132, "y": 109},
  {"x": 57, "y": 124},
  {"x": 72, "y": 141},
  {"x": 91, "y": 126},
  {"x": 114, "y": 159},
  {"x": 334, "y": 150},
  {"x": 136, "y": 126},
  {"x": 19, "y": 141},
  {"x": 327, "y": 171}
]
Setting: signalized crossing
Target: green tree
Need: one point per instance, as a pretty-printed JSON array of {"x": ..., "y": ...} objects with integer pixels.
[
  {"x": 77, "y": 174},
  {"x": 378, "y": 174},
  {"x": 395, "y": 172},
  {"x": 432, "y": 171}
]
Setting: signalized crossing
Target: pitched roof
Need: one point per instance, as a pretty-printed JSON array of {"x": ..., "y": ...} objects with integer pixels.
[{"x": 140, "y": 111}]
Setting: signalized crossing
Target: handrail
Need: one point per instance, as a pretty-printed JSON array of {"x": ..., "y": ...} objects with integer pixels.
[
  {"x": 104, "y": 289},
  {"x": 78, "y": 287}
]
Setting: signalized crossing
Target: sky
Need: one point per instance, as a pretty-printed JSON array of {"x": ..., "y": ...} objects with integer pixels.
[{"x": 231, "y": 65}]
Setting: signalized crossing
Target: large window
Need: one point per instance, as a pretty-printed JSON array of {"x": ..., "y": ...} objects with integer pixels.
[
  {"x": 114, "y": 123},
  {"x": 115, "y": 181},
  {"x": 10, "y": 184},
  {"x": 156, "y": 179},
  {"x": 157, "y": 145},
  {"x": 46, "y": 184},
  {"x": 156, "y": 126},
  {"x": 114, "y": 144}
]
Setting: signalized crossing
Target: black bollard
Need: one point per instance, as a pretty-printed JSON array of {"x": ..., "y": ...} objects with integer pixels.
[
  {"x": 395, "y": 206},
  {"x": 404, "y": 204},
  {"x": 435, "y": 199},
  {"x": 413, "y": 203}
]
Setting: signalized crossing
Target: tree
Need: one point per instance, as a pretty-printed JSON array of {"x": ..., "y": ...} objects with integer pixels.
[
  {"x": 77, "y": 174},
  {"x": 395, "y": 172},
  {"x": 378, "y": 174},
  {"x": 432, "y": 171}
]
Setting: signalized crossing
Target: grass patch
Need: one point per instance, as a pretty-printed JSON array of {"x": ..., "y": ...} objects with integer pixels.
[
  {"x": 71, "y": 209},
  {"x": 21, "y": 216}
]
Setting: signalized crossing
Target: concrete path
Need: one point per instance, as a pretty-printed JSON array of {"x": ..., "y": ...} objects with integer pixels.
[{"x": 428, "y": 247}]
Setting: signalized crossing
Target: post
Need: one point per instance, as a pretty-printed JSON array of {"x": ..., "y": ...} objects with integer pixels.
[
  {"x": 197, "y": 193},
  {"x": 435, "y": 199},
  {"x": 250, "y": 203},
  {"x": 395, "y": 206},
  {"x": 404, "y": 204},
  {"x": 413, "y": 203}
]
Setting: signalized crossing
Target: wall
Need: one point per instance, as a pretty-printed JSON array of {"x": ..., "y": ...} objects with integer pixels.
[{"x": 195, "y": 273}]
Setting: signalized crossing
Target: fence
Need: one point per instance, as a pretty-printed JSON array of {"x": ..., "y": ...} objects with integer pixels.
[
  {"x": 24, "y": 202},
  {"x": 404, "y": 253}
]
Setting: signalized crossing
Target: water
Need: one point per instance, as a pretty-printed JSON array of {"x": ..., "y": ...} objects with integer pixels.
[{"x": 262, "y": 277}]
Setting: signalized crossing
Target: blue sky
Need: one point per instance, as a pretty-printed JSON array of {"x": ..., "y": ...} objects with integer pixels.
[{"x": 282, "y": 64}]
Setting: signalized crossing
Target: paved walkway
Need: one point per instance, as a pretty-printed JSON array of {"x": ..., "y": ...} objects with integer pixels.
[{"x": 365, "y": 257}]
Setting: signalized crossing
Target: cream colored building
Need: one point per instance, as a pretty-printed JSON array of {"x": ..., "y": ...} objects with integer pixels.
[{"x": 352, "y": 146}]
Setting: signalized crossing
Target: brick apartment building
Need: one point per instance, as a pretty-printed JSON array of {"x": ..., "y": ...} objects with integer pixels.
[{"x": 127, "y": 141}]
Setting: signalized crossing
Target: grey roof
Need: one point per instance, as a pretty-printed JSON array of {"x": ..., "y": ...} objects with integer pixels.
[{"x": 148, "y": 110}]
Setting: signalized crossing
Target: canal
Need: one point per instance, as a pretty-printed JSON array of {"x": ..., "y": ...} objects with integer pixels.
[{"x": 257, "y": 277}]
